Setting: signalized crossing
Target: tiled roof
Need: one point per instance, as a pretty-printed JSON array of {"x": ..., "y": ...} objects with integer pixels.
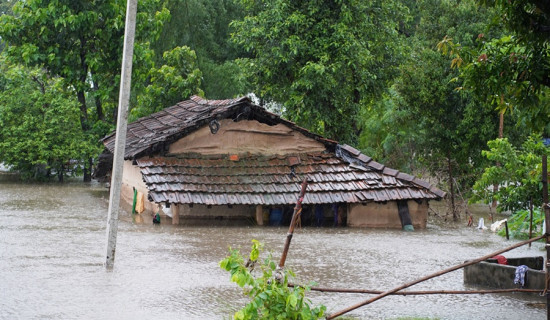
[
  {"x": 340, "y": 174},
  {"x": 154, "y": 133},
  {"x": 275, "y": 180}
]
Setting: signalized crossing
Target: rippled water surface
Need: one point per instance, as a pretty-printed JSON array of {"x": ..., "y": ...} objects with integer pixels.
[{"x": 52, "y": 247}]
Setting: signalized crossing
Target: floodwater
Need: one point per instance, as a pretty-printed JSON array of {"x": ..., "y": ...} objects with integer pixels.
[{"x": 52, "y": 249}]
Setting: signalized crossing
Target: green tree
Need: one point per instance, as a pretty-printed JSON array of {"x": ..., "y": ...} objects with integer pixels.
[
  {"x": 510, "y": 71},
  {"x": 40, "y": 132},
  {"x": 81, "y": 42},
  {"x": 5, "y": 8},
  {"x": 203, "y": 26},
  {"x": 322, "y": 60},
  {"x": 425, "y": 124},
  {"x": 518, "y": 174},
  {"x": 173, "y": 82},
  {"x": 389, "y": 135}
]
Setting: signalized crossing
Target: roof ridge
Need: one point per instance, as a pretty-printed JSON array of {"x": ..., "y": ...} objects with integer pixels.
[{"x": 222, "y": 102}]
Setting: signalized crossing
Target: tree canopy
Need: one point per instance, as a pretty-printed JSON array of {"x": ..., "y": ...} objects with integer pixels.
[
  {"x": 79, "y": 43},
  {"x": 366, "y": 73},
  {"x": 321, "y": 60},
  {"x": 518, "y": 174},
  {"x": 510, "y": 71},
  {"x": 40, "y": 132}
]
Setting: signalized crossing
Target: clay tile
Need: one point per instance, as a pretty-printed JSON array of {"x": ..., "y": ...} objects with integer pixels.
[
  {"x": 293, "y": 160},
  {"x": 404, "y": 176},
  {"x": 390, "y": 172},
  {"x": 422, "y": 183},
  {"x": 351, "y": 150},
  {"x": 364, "y": 158},
  {"x": 438, "y": 192},
  {"x": 375, "y": 165}
]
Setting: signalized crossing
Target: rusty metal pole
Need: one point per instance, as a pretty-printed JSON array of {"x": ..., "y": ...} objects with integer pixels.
[
  {"x": 122, "y": 122},
  {"x": 546, "y": 209},
  {"x": 418, "y": 293},
  {"x": 295, "y": 215}
]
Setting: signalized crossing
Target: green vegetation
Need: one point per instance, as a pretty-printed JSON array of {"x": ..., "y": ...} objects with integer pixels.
[
  {"x": 323, "y": 61},
  {"x": 518, "y": 174},
  {"x": 417, "y": 85},
  {"x": 40, "y": 133},
  {"x": 520, "y": 223},
  {"x": 270, "y": 295}
]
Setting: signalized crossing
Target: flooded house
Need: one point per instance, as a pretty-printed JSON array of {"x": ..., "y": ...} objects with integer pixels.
[{"x": 232, "y": 160}]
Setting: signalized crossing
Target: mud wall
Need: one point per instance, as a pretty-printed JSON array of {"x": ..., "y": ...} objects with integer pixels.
[
  {"x": 131, "y": 178},
  {"x": 386, "y": 215},
  {"x": 246, "y": 136}
]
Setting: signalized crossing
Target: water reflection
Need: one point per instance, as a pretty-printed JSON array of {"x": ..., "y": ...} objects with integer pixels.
[{"x": 52, "y": 242}]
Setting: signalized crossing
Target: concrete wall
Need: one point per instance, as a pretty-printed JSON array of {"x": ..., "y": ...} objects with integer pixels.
[
  {"x": 501, "y": 276},
  {"x": 385, "y": 215}
]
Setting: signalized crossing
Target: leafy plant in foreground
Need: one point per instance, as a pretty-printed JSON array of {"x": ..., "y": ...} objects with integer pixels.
[{"x": 271, "y": 297}]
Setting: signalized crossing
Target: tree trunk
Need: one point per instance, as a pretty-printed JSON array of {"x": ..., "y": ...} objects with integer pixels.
[
  {"x": 500, "y": 136},
  {"x": 83, "y": 110},
  {"x": 501, "y": 125},
  {"x": 88, "y": 171},
  {"x": 60, "y": 173},
  {"x": 87, "y": 177},
  {"x": 451, "y": 186},
  {"x": 98, "y": 105}
]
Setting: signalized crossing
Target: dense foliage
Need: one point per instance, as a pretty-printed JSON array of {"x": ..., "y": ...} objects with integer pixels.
[
  {"x": 80, "y": 44},
  {"x": 512, "y": 70},
  {"x": 368, "y": 73},
  {"x": 520, "y": 225},
  {"x": 203, "y": 26},
  {"x": 40, "y": 133},
  {"x": 267, "y": 287},
  {"x": 174, "y": 81},
  {"x": 518, "y": 174},
  {"x": 323, "y": 61}
]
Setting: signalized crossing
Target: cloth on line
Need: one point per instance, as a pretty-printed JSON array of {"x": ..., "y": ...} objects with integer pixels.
[{"x": 521, "y": 272}]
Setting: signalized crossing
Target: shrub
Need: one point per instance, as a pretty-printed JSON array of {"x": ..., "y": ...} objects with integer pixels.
[{"x": 267, "y": 287}]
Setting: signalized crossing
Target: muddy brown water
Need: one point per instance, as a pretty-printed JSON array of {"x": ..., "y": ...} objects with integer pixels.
[{"x": 52, "y": 248}]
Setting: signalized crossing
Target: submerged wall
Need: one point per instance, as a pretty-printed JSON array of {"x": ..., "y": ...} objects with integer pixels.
[
  {"x": 235, "y": 212},
  {"x": 386, "y": 215}
]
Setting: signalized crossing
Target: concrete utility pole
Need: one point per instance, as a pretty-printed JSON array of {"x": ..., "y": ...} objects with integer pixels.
[
  {"x": 122, "y": 123},
  {"x": 546, "y": 209}
]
